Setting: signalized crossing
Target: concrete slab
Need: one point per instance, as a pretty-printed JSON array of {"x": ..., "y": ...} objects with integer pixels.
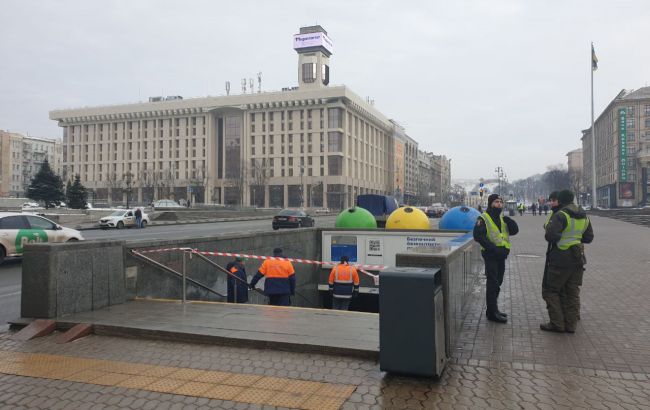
[{"x": 294, "y": 329}]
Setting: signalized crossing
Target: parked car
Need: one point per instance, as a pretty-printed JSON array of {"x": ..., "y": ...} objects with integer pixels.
[
  {"x": 436, "y": 210},
  {"x": 31, "y": 205},
  {"x": 292, "y": 218},
  {"x": 17, "y": 229},
  {"x": 123, "y": 219},
  {"x": 166, "y": 203},
  {"x": 322, "y": 211}
]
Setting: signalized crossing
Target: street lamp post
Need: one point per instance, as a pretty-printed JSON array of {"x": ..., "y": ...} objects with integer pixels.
[
  {"x": 129, "y": 182},
  {"x": 500, "y": 174},
  {"x": 302, "y": 194}
]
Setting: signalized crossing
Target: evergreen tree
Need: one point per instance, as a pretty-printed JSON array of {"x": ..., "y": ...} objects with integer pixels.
[
  {"x": 77, "y": 194},
  {"x": 46, "y": 186}
]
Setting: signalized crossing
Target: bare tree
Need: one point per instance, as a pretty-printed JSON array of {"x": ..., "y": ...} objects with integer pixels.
[
  {"x": 576, "y": 181},
  {"x": 259, "y": 179},
  {"x": 128, "y": 186},
  {"x": 148, "y": 182},
  {"x": 236, "y": 186},
  {"x": 166, "y": 182},
  {"x": 114, "y": 185},
  {"x": 556, "y": 178},
  {"x": 198, "y": 184},
  {"x": 456, "y": 195}
]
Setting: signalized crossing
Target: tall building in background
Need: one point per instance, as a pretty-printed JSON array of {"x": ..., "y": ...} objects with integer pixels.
[
  {"x": 442, "y": 177},
  {"x": 21, "y": 158},
  {"x": 311, "y": 145},
  {"x": 576, "y": 174},
  {"x": 622, "y": 151}
]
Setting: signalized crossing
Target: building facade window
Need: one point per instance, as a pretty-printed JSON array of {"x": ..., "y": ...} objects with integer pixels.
[
  {"x": 335, "y": 118},
  {"x": 309, "y": 72},
  {"x": 335, "y": 165},
  {"x": 335, "y": 141}
]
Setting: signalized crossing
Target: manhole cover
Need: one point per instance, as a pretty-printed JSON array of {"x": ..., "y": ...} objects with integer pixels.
[{"x": 527, "y": 255}]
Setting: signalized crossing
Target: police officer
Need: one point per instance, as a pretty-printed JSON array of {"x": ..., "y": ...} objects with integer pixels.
[
  {"x": 566, "y": 232},
  {"x": 492, "y": 231},
  {"x": 280, "y": 279},
  {"x": 343, "y": 284},
  {"x": 237, "y": 282}
]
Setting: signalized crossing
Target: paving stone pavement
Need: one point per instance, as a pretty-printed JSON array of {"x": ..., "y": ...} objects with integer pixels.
[{"x": 604, "y": 365}]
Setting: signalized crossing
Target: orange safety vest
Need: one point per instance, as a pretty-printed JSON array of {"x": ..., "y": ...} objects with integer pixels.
[
  {"x": 274, "y": 268},
  {"x": 344, "y": 274},
  {"x": 344, "y": 280}
]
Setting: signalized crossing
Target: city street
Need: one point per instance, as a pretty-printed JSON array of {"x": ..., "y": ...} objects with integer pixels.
[{"x": 194, "y": 230}]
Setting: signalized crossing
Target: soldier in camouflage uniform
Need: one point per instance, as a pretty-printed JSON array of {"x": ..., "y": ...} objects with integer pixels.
[{"x": 567, "y": 230}]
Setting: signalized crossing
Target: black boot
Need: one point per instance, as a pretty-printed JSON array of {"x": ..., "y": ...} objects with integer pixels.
[
  {"x": 496, "y": 317},
  {"x": 499, "y": 313}
]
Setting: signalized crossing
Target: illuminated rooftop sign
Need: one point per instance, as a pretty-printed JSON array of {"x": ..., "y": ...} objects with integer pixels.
[{"x": 312, "y": 40}]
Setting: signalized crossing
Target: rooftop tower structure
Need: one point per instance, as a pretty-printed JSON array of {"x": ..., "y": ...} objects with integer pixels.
[{"x": 314, "y": 49}]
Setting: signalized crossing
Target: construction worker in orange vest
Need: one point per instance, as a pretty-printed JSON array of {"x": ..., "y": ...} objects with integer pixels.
[
  {"x": 343, "y": 284},
  {"x": 237, "y": 282},
  {"x": 279, "y": 279}
]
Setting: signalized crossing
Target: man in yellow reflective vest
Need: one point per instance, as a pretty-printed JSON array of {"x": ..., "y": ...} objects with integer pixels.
[
  {"x": 566, "y": 232},
  {"x": 492, "y": 231}
]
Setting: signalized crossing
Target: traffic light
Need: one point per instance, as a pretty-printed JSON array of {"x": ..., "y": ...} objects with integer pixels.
[{"x": 480, "y": 192}]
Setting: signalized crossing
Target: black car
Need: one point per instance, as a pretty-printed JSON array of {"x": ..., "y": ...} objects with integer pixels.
[{"x": 292, "y": 218}]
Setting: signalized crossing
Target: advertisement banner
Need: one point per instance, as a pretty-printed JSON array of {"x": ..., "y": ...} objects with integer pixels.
[
  {"x": 626, "y": 190},
  {"x": 312, "y": 40},
  {"x": 622, "y": 152}
]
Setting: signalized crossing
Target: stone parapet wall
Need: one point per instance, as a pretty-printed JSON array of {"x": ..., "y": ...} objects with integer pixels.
[
  {"x": 62, "y": 279},
  {"x": 59, "y": 279}
]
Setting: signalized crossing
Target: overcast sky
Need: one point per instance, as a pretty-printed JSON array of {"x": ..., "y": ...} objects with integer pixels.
[{"x": 487, "y": 83}]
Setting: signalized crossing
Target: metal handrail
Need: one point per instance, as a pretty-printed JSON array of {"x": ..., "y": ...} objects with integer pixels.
[
  {"x": 182, "y": 275},
  {"x": 224, "y": 270},
  {"x": 205, "y": 258}
]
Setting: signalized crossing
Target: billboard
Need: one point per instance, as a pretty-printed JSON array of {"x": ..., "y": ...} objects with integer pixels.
[
  {"x": 626, "y": 190},
  {"x": 309, "y": 40}
]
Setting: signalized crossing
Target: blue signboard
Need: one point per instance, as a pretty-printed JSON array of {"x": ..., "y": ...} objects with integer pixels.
[{"x": 344, "y": 245}]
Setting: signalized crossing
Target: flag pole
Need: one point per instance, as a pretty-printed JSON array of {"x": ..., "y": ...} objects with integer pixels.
[{"x": 594, "y": 201}]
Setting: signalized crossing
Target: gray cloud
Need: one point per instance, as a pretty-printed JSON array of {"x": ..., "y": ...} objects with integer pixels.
[{"x": 501, "y": 82}]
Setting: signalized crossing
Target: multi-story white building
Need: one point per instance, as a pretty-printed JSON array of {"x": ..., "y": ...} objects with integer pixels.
[
  {"x": 311, "y": 145},
  {"x": 21, "y": 158},
  {"x": 622, "y": 151}
]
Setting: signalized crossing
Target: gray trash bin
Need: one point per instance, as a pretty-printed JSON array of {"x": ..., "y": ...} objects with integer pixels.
[{"x": 411, "y": 322}]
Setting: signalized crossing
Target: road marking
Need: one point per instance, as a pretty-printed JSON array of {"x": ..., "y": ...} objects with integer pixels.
[{"x": 10, "y": 294}]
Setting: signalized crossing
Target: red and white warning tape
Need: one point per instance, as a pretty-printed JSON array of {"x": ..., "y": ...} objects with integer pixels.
[
  {"x": 162, "y": 250},
  {"x": 361, "y": 268},
  {"x": 297, "y": 260}
]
